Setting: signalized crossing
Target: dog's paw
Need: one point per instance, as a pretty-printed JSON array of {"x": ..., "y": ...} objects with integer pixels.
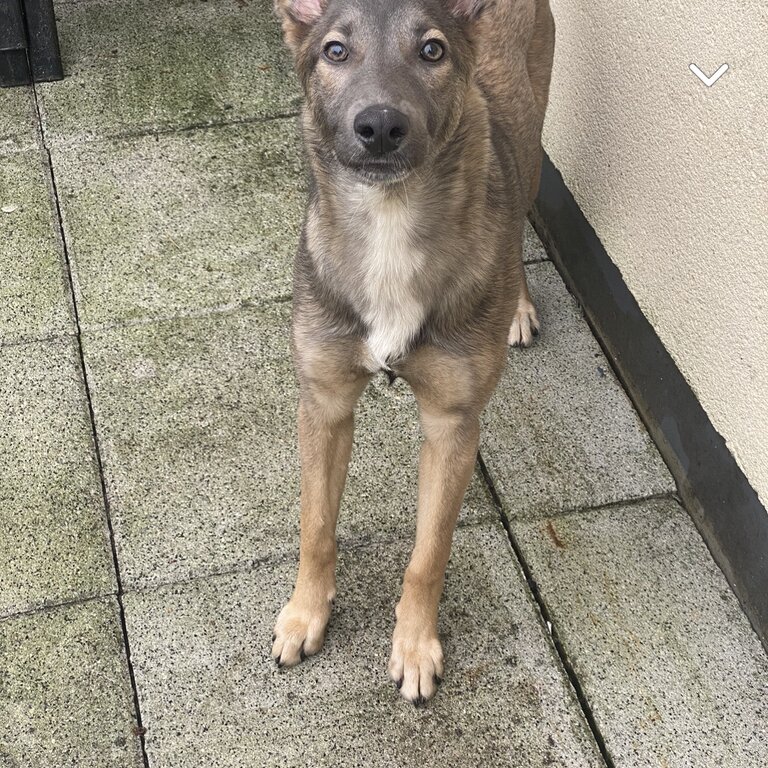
[
  {"x": 300, "y": 630},
  {"x": 416, "y": 664},
  {"x": 524, "y": 326}
]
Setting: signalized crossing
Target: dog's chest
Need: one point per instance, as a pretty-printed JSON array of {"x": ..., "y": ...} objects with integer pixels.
[{"x": 390, "y": 265}]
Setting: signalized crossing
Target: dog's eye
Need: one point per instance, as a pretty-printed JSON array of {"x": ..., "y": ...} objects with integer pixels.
[
  {"x": 432, "y": 50},
  {"x": 335, "y": 51}
]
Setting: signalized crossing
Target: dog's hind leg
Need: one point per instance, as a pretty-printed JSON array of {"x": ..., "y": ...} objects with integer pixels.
[
  {"x": 525, "y": 324},
  {"x": 539, "y": 65},
  {"x": 328, "y": 393}
]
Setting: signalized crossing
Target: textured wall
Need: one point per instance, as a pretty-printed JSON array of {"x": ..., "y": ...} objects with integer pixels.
[{"x": 673, "y": 176}]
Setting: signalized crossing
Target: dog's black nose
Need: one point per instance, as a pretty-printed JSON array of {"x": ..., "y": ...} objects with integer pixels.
[{"x": 381, "y": 130}]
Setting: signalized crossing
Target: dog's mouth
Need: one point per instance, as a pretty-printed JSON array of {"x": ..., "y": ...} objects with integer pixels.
[{"x": 381, "y": 171}]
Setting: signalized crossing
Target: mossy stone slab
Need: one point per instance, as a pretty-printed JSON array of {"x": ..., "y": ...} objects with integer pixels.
[
  {"x": 18, "y": 119},
  {"x": 65, "y": 693},
  {"x": 34, "y": 288},
  {"x": 160, "y": 226},
  {"x": 54, "y": 544},
  {"x": 142, "y": 66}
]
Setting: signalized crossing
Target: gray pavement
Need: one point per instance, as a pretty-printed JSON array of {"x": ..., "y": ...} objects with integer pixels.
[
  {"x": 147, "y": 357},
  {"x": 34, "y": 287},
  {"x": 224, "y": 703},
  {"x": 66, "y": 697},
  {"x": 560, "y": 420},
  {"x": 54, "y": 543},
  {"x": 18, "y": 118},
  {"x": 673, "y": 673}
]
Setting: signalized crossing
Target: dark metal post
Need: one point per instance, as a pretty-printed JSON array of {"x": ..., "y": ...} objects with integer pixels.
[
  {"x": 14, "y": 69},
  {"x": 42, "y": 41},
  {"x": 29, "y": 44}
]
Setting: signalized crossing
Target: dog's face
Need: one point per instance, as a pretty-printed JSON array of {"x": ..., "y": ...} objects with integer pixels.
[{"x": 384, "y": 80}]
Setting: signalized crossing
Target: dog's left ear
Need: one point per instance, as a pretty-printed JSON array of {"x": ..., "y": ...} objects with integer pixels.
[
  {"x": 468, "y": 9},
  {"x": 297, "y": 17}
]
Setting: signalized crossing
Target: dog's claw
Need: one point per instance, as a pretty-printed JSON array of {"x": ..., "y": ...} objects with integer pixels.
[{"x": 399, "y": 683}]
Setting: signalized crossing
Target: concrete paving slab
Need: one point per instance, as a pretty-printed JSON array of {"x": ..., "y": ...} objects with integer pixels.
[
  {"x": 673, "y": 671},
  {"x": 560, "y": 432},
  {"x": 197, "y": 423},
  {"x": 210, "y": 694},
  {"x": 54, "y": 545},
  {"x": 34, "y": 293},
  {"x": 65, "y": 695},
  {"x": 140, "y": 66},
  {"x": 179, "y": 223},
  {"x": 18, "y": 119}
]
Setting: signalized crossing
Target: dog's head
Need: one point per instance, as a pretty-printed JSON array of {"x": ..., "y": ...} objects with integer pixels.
[{"x": 384, "y": 80}]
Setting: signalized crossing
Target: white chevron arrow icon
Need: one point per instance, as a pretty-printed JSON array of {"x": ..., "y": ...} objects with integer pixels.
[{"x": 709, "y": 81}]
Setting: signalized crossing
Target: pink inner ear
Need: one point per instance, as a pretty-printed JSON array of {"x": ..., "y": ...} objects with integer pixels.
[{"x": 307, "y": 10}]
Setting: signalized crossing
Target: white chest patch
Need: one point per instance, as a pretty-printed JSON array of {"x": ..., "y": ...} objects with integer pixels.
[{"x": 389, "y": 265}]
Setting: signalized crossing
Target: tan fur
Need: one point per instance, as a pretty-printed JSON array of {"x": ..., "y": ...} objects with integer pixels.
[
  {"x": 422, "y": 277},
  {"x": 329, "y": 395}
]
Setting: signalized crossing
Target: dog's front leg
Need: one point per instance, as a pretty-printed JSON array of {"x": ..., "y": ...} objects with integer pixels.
[
  {"x": 445, "y": 468},
  {"x": 325, "y": 443}
]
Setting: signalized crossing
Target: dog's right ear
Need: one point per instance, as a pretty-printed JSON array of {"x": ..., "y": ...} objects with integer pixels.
[
  {"x": 297, "y": 17},
  {"x": 468, "y": 9}
]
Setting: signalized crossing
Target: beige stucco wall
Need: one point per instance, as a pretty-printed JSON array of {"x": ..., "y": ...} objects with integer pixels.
[{"x": 673, "y": 176}]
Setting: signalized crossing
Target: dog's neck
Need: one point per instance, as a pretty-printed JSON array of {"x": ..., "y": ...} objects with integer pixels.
[{"x": 363, "y": 241}]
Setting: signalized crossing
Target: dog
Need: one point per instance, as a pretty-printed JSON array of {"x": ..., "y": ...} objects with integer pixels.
[{"x": 422, "y": 123}]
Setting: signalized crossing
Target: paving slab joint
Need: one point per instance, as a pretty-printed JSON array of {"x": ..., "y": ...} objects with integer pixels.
[
  {"x": 547, "y": 620},
  {"x": 165, "y": 130},
  {"x": 55, "y": 606},
  {"x": 629, "y": 501},
  {"x": 97, "y": 449}
]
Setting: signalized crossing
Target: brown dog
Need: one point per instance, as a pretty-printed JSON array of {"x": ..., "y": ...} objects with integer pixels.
[{"x": 422, "y": 123}]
